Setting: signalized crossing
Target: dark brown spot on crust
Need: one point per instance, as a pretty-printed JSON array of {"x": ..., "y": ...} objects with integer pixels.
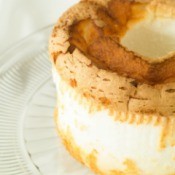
[
  {"x": 147, "y": 111},
  {"x": 100, "y": 90},
  {"x": 134, "y": 83},
  {"x": 71, "y": 49},
  {"x": 170, "y": 90},
  {"x": 73, "y": 83},
  {"x": 138, "y": 98},
  {"x": 105, "y": 101},
  {"x": 123, "y": 88},
  {"x": 93, "y": 87},
  {"x": 106, "y": 79},
  {"x": 55, "y": 56}
]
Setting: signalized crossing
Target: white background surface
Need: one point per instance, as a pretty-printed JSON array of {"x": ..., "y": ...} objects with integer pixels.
[{"x": 18, "y": 18}]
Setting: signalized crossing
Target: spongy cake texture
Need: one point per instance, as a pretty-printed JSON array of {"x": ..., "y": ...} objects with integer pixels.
[{"x": 112, "y": 123}]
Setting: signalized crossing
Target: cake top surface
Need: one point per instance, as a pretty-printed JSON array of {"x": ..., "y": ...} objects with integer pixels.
[{"x": 131, "y": 43}]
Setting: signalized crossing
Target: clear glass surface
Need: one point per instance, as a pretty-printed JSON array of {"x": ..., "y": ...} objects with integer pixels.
[{"x": 29, "y": 143}]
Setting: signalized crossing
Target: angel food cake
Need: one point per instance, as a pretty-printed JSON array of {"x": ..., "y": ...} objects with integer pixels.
[{"x": 114, "y": 70}]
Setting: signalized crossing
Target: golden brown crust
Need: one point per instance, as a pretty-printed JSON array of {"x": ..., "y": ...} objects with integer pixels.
[
  {"x": 104, "y": 46},
  {"x": 124, "y": 62},
  {"x": 120, "y": 10},
  {"x": 123, "y": 93}
]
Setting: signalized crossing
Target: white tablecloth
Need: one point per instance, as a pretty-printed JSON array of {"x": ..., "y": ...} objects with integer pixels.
[{"x": 18, "y": 18}]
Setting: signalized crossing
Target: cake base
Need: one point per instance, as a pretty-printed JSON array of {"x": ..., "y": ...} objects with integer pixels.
[{"x": 101, "y": 140}]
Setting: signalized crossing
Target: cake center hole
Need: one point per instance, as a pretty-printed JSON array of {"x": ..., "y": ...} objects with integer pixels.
[{"x": 152, "y": 39}]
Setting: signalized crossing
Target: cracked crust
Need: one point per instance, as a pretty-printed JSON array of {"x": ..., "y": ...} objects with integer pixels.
[
  {"x": 105, "y": 45},
  {"x": 87, "y": 102},
  {"x": 115, "y": 91},
  {"x": 143, "y": 128},
  {"x": 87, "y": 89}
]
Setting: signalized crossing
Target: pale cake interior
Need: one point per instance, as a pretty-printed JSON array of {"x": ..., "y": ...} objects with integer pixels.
[{"x": 151, "y": 38}]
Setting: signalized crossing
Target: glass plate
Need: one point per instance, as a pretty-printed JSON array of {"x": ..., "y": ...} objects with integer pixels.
[{"x": 28, "y": 139}]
